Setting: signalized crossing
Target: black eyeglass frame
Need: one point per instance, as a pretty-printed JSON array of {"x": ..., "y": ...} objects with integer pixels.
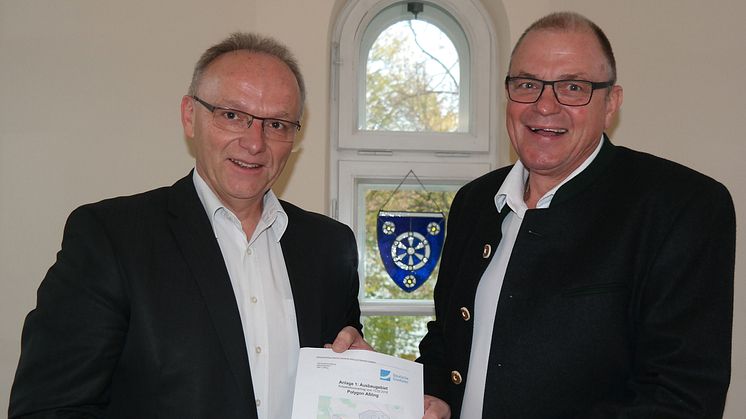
[
  {"x": 544, "y": 83},
  {"x": 211, "y": 108}
]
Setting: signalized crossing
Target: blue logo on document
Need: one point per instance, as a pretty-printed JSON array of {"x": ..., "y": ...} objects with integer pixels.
[{"x": 385, "y": 375}]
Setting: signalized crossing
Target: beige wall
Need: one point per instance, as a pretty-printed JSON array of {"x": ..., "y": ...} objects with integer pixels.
[{"x": 90, "y": 96}]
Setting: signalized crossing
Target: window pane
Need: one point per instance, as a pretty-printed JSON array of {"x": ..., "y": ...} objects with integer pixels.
[
  {"x": 412, "y": 80},
  {"x": 377, "y": 283},
  {"x": 396, "y": 335}
]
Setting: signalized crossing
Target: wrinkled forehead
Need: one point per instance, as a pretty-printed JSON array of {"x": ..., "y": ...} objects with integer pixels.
[
  {"x": 578, "y": 48},
  {"x": 244, "y": 63},
  {"x": 243, "y": 76}
]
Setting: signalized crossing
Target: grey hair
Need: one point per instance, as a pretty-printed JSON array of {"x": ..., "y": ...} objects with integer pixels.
[
  {"x": 571, "y": 21},
  {"x": 244, "y": 41}
]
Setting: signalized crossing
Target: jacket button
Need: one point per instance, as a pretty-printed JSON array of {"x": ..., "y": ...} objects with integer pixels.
[
  {"x": 487, "y": 251},
  {"x": 465, "y": 314},
  {"x": 456, "y": 377}
]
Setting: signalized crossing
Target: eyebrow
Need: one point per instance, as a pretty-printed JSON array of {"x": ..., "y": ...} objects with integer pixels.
[
  {"x": 566, "y": 76},
  {"x": 282, "y": 115}
]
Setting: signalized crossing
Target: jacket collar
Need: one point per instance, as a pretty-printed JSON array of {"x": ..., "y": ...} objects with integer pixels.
[{"x": 589, "y": 175}]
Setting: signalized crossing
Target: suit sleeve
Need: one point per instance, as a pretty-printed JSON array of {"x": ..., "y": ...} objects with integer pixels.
[
  {"x": 433, "y": 346},
  {"x": 72, "y": 340},
  {"x": 353, "y": 281},
  {"x": 682, "y": 335}
]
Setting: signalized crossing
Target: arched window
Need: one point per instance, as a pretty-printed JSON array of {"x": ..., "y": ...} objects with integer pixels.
[
  {"x": 414, "y": 107},
  {"x": 414, "y": 71}
]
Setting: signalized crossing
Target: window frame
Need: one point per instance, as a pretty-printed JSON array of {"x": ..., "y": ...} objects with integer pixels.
[
  {"x": 387, "y": 17},
  {"x": 352, "y": 173},
  {"x": 346, "y": 57},
  {"x": 386, "y": 157}
]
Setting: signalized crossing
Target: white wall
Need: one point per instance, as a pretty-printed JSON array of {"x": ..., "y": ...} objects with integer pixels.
[{"x": 90, "y": 97}]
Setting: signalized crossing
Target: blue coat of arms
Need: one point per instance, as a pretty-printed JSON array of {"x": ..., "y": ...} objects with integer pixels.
[{"x": 410, "y": 244}]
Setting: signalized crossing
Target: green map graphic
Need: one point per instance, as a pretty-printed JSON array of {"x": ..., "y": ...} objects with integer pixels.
[{"x": 339, "y": 408}]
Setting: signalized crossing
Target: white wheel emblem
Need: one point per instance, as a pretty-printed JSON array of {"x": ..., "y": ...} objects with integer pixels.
[{"x": 410, "y": 251}]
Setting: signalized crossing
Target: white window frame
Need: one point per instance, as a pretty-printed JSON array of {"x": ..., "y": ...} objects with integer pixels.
[
  {"x": 382, "y": 21},
  {"x": 351, "y": 173},
  {"x": 383, "y": 156}
]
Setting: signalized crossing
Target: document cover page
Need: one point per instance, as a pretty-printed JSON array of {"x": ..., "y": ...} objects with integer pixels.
[{"x": 356, "y": 384}]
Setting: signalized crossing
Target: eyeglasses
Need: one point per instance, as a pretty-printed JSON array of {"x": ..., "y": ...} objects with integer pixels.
[
  {"x": 567, "y": 92},
  {"x": 238, "y": 121}
]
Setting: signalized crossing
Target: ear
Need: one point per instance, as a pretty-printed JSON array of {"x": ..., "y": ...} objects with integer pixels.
[
  {"x": 187, "y": 116},
  {"x": 613, "y": 104}
]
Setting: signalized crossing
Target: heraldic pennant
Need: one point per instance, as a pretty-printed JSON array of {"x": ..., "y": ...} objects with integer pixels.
[{"x": 410, "y": 244}]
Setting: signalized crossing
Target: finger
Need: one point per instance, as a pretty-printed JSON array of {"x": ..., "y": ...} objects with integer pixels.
[{"x": 344, "y": 340}]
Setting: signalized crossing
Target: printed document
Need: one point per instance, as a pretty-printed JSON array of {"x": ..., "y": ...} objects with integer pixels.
[{"x": 356, "y": 384}]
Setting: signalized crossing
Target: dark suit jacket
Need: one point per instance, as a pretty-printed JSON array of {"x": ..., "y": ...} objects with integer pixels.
[
  {"x": 137, "y": 317},
  {"x": 617, "y": 301}
]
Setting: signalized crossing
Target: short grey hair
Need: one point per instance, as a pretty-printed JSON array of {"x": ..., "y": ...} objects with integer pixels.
[
  {"x": 571, "y": 21},
  {"x": 252, "y": 42}
]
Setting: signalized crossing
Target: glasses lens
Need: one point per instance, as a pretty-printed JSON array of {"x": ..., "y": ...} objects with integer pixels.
[
  {"x": 524, "y": 90},
  {"x": 231, "y": 120},
  {"x": 278, "y": 130},
  {"x": 573, "y": 92}
]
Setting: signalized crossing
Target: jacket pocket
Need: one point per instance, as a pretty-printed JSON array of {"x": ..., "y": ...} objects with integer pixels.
[{"x": 593, "y": 289}]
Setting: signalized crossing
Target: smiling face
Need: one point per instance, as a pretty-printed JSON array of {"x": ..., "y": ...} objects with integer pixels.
[
  {"x": 241, "y": 167},
  {"x": 552, "y": 139}
]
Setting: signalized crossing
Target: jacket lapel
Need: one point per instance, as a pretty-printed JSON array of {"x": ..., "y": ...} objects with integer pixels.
[
  {"x": 194, "y": 235},
  {"x": 303, "y": 282},
  {"x": 482, "y": 244}
]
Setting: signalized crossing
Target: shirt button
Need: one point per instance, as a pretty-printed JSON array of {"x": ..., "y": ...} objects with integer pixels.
[
  {"x": 258, "y": 349},
  {"x": 249, "y": 251},
  {"x": 254, "y": 300},
  {"x": 258, "y": 402}
]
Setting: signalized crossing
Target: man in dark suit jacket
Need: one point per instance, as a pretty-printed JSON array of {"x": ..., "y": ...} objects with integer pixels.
[
  {"x": 587, "y": 280},
  {"x": 153, "y": 301}
]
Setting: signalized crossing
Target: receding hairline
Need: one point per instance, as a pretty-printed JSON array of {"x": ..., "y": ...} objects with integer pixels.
[
  {"x": 252, "y": 43},
  {"x": 571, "y": 22}
]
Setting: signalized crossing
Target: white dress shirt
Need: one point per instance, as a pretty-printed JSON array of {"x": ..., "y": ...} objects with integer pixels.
[
  {"x": 261, "y": 285},
  {"x": 510, "y": 194}
]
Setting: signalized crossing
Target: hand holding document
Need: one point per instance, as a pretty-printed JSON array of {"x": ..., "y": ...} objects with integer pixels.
[{"x": 356, "y": 384}]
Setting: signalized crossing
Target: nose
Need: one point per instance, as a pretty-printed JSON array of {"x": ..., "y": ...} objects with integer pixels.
[
  {"x": 252, "y": 138},
  {"x": 547, "y": 103}
]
